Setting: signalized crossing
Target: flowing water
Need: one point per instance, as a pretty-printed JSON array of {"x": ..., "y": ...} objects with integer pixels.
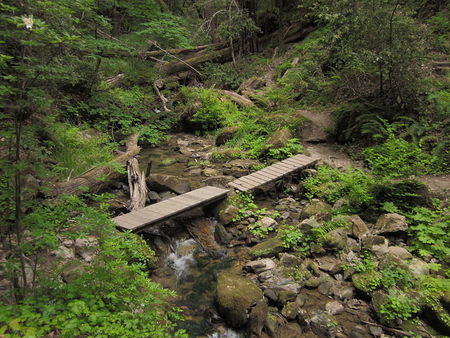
[{"x": 191, "y": 273}]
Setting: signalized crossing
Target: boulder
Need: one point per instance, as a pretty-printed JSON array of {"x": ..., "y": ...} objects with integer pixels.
[
  {"x": 268, "y": 248},
  {"x": 64, "y": 252},
  {"x": 210, "y": 172},
  {"x": 226, "y": 134},
  {"x": 308, "y": 224},
  {"x": 219, "y": 181},
  {"x": 240, "y": 302},
  {"x": 260, "y": 265},
  {"x": 279, "y": 139},
  {"x": 358, "y": 228},
  {"x": 336, "y": 239},
  {"x": 389, "y": 223},
  {"x": 227, "y": 213},
  {"x": 379, "y": 245},
  {"x": 399, "y": 252},
  {"x": 419, "y": 267},
  {"x": 368, "y": 281},
  {"x": 161, "y": 182},
  {"x": 316, "y": 208},
  {"x": 267, "y": 222},
  {"x": 334, "y": 308},
  {"x": 289, "y": 261},
  {"x": 291, "y": 309},
  {"x": 86, "y": 248},
  {"x": 323, "y": 324},
  {"x": 329, "y": 264},
  {"x": 290, "y": 330},
  {"x": 222, "y": 235}
]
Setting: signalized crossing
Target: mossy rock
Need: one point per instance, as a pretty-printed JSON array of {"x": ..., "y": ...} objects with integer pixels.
[
  {"x": 236, "y": 297},
  {"x": 268, "y": 248},
  {"x": 367, "y": 282}
]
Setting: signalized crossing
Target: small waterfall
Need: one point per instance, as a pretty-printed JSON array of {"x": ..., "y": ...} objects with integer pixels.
[
  {"x": 182, "y": 259},
  {"x": 228, "y": 333}
]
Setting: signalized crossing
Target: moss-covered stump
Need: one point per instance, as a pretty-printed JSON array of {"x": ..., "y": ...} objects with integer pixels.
[
  {"x": 268, "y": 248},
  {"x": 240, "y": 302}
]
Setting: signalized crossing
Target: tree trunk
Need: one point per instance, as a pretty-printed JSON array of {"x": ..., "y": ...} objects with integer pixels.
[
  {"x": 97, "y": 178},
  {"x": 195, "y": 60},
  {"x": 138, "y": 186}
]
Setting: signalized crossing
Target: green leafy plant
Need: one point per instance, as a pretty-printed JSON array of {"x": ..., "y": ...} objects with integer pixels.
[
  {"x": 397, "y": 157},
  {"x": 330, "y": 184},
  {"x": 292, "y": 148},
  {"x": 319, "y": 233},
  {"x": 290, "y": 235},
  {"x": 399, "y": 306},
  {"x": 429, "y": 230},
  {"x": 92, "y": 302}
]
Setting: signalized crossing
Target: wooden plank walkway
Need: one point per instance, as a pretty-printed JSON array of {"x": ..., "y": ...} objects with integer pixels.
[
  {"x": 169, "y": 208},
  {"x": 273, "y": 172}
]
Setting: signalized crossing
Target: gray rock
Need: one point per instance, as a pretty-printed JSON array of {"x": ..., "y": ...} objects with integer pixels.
[
  {"x": 222, "y": 235},
  {"x": 219, "y": 181},
  {"x": 165, "y": 195},
  {"x": 267, "y": 222},
  {"x": 389, "y": 223},
  {"x": 240, "y": 302},
  {"x": 308, "y": 224},
  {"x": 227, "y": 214},
  {"x": 160, "y": 182},
  {"x": 64, "y": 252},
  {"x": 209, "y": 172},
  {"x": 290, "y": 330},
  {"x": 291, "y": 309},
  {"x": 323, "y": 324},
  {"x": 376, "y": 331},
  {"x": 329, "y": 264},
  {"x": 334, "y": 308},
  {"x": 358, "y": 228},
  {"x": 400, "y": 252},
  {"x": 268, "y": 248},
  {"x": 86, "y": 248},
  {"x": 336, "y": 239},
  {"x": 377, "y": 244},
  {"x": 260, "y": 265},
  {"x": 153, "y": 196},
  {"x": 419, "y": 267},
  {"x": 317, "y": 208},
  {"x": 289, "y": 261}
]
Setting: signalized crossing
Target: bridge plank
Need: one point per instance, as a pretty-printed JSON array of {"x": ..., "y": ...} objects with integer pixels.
[{"x": 171, "y": 207}]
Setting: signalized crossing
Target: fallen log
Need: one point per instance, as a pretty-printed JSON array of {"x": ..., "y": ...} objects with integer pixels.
[
  {"x": 239, "y": 99},
  {"x": 97, "y": 178},
  {"x": 177, "y": 51},
  {"x": 191, "y": 62}
]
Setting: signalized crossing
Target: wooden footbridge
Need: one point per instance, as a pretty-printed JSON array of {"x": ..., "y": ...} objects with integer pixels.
[{"x": 165, "y": 210}]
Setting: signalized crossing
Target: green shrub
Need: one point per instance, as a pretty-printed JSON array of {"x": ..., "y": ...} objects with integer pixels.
[
  {"x": 290, "y": 235},
  {"x": 331, "y": 185},
  {"x": 292, "y": 148},
  {"x": 398, "y": 158},
  {"x": 399, "y": 306},
  {"x": 110, "y": 297},
  {"x": 338, "y": 222},
  {"x": 430, "y": 231},
  {"x": 213, "y": 111},
  {"x": 121, "y": 112},
  {"x": 75, "y": 152}
]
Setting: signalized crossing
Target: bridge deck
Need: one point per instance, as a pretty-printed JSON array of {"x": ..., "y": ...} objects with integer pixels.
[
  {"x": 273, "y": 172},
  {"x": 174, "y": 206},
  {"x": 169, "y": 208}
]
